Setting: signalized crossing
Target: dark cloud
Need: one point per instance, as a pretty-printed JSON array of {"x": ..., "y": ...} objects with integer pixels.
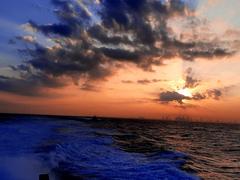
[
  {"x": 209, "y": 94},
  {"x": 149, "y": 81},
  {"x": 190, "y": 81},
  {"x": 144, "y": 81},
  {"x": 214, "y": 93},
  {"x": 199, "y": 96},
  {"x": 120, "y": 54},
  {"x": 90, "y": 39},
  {"x": 159, "y": 80},
  {"x": 89, "y": 87},
  {"x": 29, "y": 86},
  {"x": 169, "y": 96},
  {"x": 127, "y": 81},
  {"x": 57, "y": 29},
  {"x": 101, "y": 34},
  {"x": 206, "y": 51}
]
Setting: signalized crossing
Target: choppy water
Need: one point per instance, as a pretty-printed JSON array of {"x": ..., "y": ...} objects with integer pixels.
[{"x": 69, "y": 149}]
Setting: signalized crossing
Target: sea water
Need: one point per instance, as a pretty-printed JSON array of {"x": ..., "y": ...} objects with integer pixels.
[{"x": 83, "y": 148}]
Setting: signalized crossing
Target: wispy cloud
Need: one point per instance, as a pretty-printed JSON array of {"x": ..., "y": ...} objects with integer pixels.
[{"x": 144, "y": 81}]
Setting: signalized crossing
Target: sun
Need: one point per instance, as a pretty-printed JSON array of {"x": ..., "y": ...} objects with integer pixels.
[{"x": 185, "y": 92}]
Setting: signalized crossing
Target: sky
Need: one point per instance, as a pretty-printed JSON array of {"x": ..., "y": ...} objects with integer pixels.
[{"x": 156, "y": 59}]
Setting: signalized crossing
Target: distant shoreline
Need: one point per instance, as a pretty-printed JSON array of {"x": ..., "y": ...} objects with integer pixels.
[{"x": 94, "y": 117}]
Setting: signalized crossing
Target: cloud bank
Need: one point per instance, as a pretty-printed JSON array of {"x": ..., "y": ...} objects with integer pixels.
[{"x": 91, "y": 39}]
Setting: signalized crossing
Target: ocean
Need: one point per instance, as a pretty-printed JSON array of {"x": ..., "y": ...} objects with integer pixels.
[{"x": 68, "y": 148}]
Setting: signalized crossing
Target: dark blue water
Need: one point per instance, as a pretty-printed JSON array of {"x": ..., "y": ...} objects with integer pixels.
[{"x": 69, "y": 149}]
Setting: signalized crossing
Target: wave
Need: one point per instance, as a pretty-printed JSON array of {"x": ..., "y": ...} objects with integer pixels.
[{"x": 67, "y": 150}]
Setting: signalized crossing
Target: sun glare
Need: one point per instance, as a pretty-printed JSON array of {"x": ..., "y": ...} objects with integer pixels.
[{"x": 185, "y": 92}]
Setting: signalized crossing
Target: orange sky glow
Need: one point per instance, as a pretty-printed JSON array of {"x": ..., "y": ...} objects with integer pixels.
[{"x": 201, "y": 82}]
